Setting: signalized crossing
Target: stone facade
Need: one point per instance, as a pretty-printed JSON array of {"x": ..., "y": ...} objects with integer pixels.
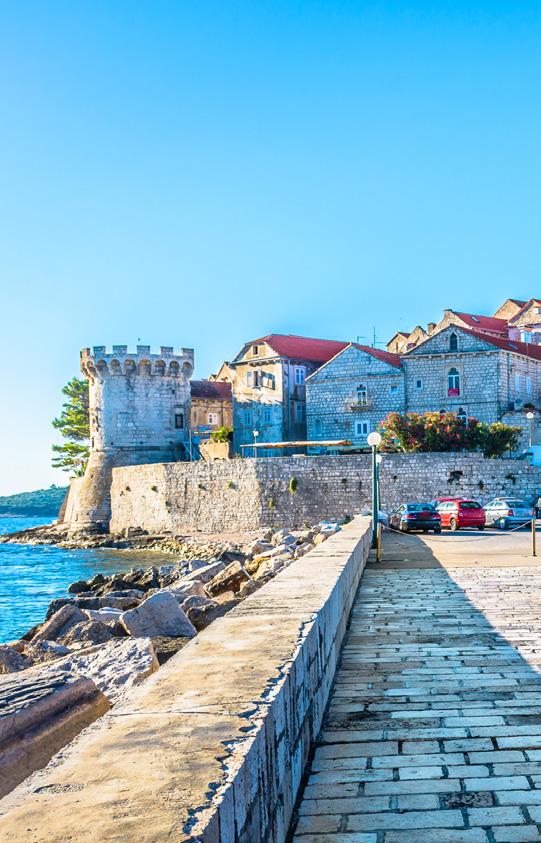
[
  {"x": 211, "y": 405},
  {"x": 269, "y": 394},
  {"x": 345, "y": 397},
  {"x": 139, "y": 413},
  {"x": 452, "y": 370},
  {"x": 248, "y": 494}
]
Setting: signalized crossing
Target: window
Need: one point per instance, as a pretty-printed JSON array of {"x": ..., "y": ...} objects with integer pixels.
[
  {"x": 528, "y": 385},
  {"x": 255, "y": 350},
  {"x": 393, "y": 389},
  {"x": 319, "y": 427},
  {"x": 300, "y": 413},
  {"x": 213, "y": 418},
  {"x": 453, "y": 342},
  {"x": 253, "y": 378},
  {"x": 526, "y": 336},
  {"x": 257, "y": 378},
  {"x": 250, "y": 377},
  {"x": 362, "y": 428},
  {"x": 362, "y": 394},
  {"x": 300, "y": 373},
  {"x": 453, "y": 382},
  {"x": 462, "y": 415},
  {"x": 247, "y": 418},
  {"x": 267, "y": 415},
  {"x": 267, "y": 380},
  {"x": 418, "y": 384},
  {"x": 179, "y": 421}
]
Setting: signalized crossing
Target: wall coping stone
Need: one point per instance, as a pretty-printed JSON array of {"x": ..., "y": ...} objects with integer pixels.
[{"x": 212, "y": 748}]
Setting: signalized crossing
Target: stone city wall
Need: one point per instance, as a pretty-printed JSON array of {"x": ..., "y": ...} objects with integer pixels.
[
  {"x": 212, "y": 748},
  {"x": 291, "y": 491}
]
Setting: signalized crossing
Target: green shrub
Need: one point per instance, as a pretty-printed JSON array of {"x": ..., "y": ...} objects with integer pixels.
[
  {"x": 223, "y": 434},
  {"x": 293, "y": 485}
]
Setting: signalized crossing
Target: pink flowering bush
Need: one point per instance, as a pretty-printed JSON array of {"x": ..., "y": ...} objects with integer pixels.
[{"x": 412, "y": 432}]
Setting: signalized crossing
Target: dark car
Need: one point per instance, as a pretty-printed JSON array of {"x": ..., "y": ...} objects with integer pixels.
[{"x": 415, "y": 516}]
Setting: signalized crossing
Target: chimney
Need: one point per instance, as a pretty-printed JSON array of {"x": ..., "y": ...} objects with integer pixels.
[{"x": 430, "y": 327}]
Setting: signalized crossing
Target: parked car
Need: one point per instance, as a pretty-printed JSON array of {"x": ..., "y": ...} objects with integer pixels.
[
  {"x": 415, "y": 516},
  {"x": 508, "y": 512},
  {"x": 457, "y": 514}
]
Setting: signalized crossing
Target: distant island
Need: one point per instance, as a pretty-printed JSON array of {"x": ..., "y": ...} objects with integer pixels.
[{"x": 45, "y": 502}]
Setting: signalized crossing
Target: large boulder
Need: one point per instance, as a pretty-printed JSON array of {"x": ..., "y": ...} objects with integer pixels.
[
  {"x": 206, "y": 573},
  {"x": 114, "y": 667},
  {"x": 41, "y": 710},
  {"x": 86, "y": 634},
  {"x": 230, "y": 579},
  {"x": 158, "y": 615},
  {"x": 60, "y": 623},
  {"x": 11, "y": 660}
]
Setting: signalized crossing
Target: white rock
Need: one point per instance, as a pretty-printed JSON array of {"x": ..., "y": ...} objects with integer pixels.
[
  {"x": 206, "y": 573},
  {"x": 187, "y": 587},
  {"x": 115, "y": 666},
  {"x": 105, "y": 615},
  {"x": 156, "y": 616}
]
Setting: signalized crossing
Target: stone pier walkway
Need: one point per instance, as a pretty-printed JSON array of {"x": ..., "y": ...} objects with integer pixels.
[{"x": 433, "y": 733}]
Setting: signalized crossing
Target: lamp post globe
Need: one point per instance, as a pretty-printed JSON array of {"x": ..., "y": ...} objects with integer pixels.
[{"x": 374, "y": 439}]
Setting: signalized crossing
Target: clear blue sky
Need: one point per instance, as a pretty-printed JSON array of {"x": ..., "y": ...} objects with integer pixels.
[{"x": 202, "y": 173}]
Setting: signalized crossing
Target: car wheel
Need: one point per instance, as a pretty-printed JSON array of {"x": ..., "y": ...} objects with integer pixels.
[
  {"x": 481, "y": 528},
  {"x": 502, "y": 524},
  {"x": 453, "y": 526},
  {"x": 437, "y": 530}
]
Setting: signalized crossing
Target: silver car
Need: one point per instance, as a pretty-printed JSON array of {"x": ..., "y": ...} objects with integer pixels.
[{"x": 508, "y": 512}]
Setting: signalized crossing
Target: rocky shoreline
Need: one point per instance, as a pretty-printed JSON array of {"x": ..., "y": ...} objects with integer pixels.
[{"x": 114, "y": 631}]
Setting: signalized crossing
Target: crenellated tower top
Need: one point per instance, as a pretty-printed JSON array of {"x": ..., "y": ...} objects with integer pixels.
[{"x": 99, "y": 363}]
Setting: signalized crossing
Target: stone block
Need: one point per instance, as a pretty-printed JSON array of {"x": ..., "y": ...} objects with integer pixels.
[{"x": 158, "y": 615}]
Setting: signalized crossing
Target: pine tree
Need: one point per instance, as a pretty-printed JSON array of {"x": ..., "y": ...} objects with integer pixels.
[{"x": 73, "y": 424}]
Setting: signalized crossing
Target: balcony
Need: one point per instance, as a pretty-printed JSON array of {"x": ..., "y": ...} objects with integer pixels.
[{"x": 358, "y": 406}]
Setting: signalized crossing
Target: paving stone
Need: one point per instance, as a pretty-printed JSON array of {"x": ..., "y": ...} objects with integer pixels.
[
  {"x": 422, "y": 786},
  {"x": 497, "y": 783},
  {"x": 437, "y": 835},
  {"x": 410, "y": 820},
  {"x": 495, "y": 816},
  {"x": 516, "y": 834}
]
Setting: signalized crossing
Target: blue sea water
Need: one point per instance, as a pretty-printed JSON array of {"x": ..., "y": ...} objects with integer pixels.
[{"x": 33, "y": 575}]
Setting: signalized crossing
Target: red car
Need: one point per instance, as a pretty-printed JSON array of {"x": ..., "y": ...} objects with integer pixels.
[{"x": 457, "y": 514}]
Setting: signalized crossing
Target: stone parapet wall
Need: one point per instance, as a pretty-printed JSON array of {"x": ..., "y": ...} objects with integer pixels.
[
  {"x": 252, "y": 493},
  {"x": 213, "y": 747}
]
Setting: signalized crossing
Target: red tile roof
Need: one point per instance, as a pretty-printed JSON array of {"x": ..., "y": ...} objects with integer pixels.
[
  {"x": 212, "y": 390},
  {"x": 516, "y": 346},
  {"x": 385, "y": 356},
  {"x": 483, "y": 323},
  {"x": 302, "y": 348}
]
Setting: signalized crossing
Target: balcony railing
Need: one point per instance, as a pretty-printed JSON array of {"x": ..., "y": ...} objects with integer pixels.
[{"x": 358, "y": 406}]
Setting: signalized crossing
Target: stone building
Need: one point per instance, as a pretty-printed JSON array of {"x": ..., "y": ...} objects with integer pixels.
[
  {"x": 455, "y": 369},
  {"x": 211, "y": 404},
  {"x": 346, "y": 396},
  {"x": 139, "y": 413},
  {"x": 269, "y": 394}
]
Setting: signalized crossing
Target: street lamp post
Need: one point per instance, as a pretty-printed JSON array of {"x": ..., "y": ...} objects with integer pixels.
[
  {"x": 529, "y": 416},
  {"x": 374, "y": 440},
  {"x": 256, "y": 434}
]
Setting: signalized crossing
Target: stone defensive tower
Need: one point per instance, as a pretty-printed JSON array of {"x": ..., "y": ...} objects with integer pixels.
[{"x": 139, "y": 413}]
